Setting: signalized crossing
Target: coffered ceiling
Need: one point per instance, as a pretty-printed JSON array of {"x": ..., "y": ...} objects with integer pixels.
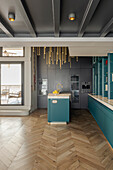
[{"x": 49, "y": 18}]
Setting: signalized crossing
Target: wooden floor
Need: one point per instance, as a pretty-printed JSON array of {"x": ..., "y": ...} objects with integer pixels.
[{"x": 29, "y": 143}]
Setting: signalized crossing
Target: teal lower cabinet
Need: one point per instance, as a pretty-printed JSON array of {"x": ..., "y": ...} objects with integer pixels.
[
  {"x": 103, "y": 116},
  {"x": 58, "y": 110}
]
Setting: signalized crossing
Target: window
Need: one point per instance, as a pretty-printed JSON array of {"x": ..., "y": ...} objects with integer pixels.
[
  {"x": 13, "y": 52},
  {"x": 11, "y": 81}
]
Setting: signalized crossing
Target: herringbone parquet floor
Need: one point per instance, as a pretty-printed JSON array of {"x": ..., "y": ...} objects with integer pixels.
[{"x": 29, "y": 143}]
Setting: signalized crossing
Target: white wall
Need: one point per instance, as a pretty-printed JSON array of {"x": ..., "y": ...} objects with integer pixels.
[{"x": 27, "y": 80}]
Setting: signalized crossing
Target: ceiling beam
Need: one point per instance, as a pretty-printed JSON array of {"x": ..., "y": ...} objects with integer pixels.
[
  {"x": 81, "y": 46},
  {"x": 107, "y": 28},
  {"x": 90, "y": 9},
  {"x": 6, "y": 28},
  {"x": 25, "y": 17},
  {"x": 56, "y": 16},
  {"x": 57, "y": 42}
]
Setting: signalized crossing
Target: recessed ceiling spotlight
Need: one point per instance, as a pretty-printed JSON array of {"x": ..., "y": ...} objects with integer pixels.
[
  {"x": 11, "y": 16},
  {"x": 72, "y": 16}
]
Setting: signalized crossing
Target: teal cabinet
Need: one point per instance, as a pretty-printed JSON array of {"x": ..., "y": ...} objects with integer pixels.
[
  {"x": 104, "y": 77},
  {"x": 100, "y": 76},
  {"x": 103, "y": 116},
  {"x": 58, "y": 110},
  {"x": 110, "y": 76},
  {"x": 108, "y": 129}
]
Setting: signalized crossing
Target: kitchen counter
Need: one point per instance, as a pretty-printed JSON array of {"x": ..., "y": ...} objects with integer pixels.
[
  {"x": 102, "y": 110},
  {"x": 59, "y": 96},
  {"x": 104, "y": 100}
]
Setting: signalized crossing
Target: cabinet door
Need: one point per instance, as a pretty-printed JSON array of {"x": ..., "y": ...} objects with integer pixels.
[
  {"x": 59, "y": 110},
  {"x": 108, "y": 129},
  {"x": 85, "y": 76},
  {"x": 51, "y": 80},
  {"x": 75, "y": 88},
  {"x": 62, "y": 77}
]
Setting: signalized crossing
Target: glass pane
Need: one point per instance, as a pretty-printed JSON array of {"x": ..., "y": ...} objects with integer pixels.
[
  {"x": 13, "y": 51},
  {"x": 11, "y": 84},
  {"x": 75, "y": 88},
  {"x": 75, "y": 96},
  {"x": 42, "y": 87},
  {"x": 74, "y": 78}
]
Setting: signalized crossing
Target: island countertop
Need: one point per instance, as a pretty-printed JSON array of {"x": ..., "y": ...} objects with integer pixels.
[{"x": 59, "y": 96}]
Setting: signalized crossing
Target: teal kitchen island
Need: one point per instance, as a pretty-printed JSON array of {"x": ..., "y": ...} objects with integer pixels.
[{"x": 58, "y": 108}]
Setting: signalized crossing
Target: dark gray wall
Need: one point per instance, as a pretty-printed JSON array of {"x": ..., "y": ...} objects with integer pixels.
[{"x": 55, "y": 75}]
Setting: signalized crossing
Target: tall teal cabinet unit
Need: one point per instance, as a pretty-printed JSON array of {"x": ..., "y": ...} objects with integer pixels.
[
  {"x": 100, "y": 105},
  {"x": 100, "y": 76},
  {"x": 110, "y": 76},
  {"x": 96, "y": 77},
  {"x": 103, "y": 114},
  {"x": 58, "y": 108},
  {"x": 104, "y": 77}
]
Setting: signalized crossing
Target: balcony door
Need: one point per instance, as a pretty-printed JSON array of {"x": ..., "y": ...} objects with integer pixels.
[{"x": 11, "y": 84}]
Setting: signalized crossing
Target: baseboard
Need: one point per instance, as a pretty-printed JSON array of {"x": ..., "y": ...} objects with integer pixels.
[
  {"x": 57, "y": 123},
  {"x": 14, "y": 112}
]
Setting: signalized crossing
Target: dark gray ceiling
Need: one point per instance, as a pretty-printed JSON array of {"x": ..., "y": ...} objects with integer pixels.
[
  {"x": 68, "y": 6},
  {"x": 41, "y": 13},
  {"x": 49, "y": 18},
  {"x": 102, "y": 15},
  {"x": 1, "y": 32}
]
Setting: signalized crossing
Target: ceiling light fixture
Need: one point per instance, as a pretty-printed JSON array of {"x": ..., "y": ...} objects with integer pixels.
[
  {"x": 11, "y": 16},
  {"x": 71, "y": 16}
]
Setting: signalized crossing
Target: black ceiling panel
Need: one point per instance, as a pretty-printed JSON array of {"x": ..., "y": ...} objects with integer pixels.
[
  {"x": 40, "y": 16},
  {"x": 41, "y": 13},
  {"x": 101, "y": 17},
  {"x": 1, "y": 32},
  {"x": 67, "y": 7}
]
